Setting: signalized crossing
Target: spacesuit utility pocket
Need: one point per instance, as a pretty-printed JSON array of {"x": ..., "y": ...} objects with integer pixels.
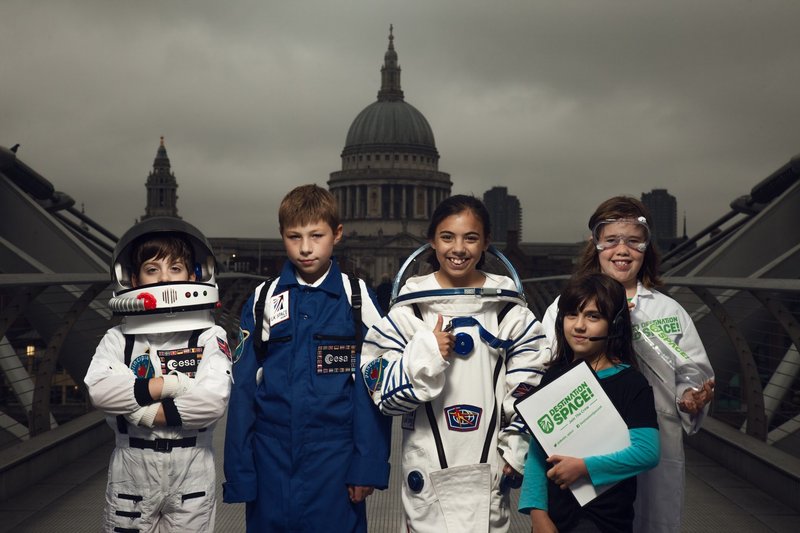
[
  {"x": 334, "y": 363},
  {"x": 417, "y": 487}
]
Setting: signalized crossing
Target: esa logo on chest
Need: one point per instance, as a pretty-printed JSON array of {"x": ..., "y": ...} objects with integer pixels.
[
  {"x": 336, "y": 359},
  {"x": 183, "y": 360}
]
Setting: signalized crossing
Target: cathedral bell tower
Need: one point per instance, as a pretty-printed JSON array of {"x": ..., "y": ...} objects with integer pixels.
[{"x": 162, "y": 188}]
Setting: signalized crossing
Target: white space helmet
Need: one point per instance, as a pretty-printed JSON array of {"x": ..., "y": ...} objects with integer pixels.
[
  {"x": 459, "y": 303},
  {"x": 165, "y": 306},
  {"x": 420, "y": 263}
]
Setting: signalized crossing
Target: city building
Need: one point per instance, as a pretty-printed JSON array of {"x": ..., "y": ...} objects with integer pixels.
[
  {"x": 162, "y": 187},
  {"x": 387, "y": 188},
  {"x": 664, "y": 224},
  {"x": 664, "y": 209},
  {"x": 505, "y": 213}
]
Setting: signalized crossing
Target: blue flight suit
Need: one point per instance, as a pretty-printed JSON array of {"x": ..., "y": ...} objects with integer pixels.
[{"x": 296, "y": 439}]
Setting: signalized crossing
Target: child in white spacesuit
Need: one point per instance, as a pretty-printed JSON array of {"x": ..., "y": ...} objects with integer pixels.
[
  {"x": 163, "y": 379},
  {"x": 451, "y": 365},
  {"x": 620, "y": 247},
  {"x": 594, "y": 325}
]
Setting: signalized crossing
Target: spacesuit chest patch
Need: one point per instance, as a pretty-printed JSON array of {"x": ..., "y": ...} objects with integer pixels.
[
  {"x": 463, "y": 417},
  {"x": 373, "y": 373},
  {"x": 142, "y": 367},
  {"x": 224, "y": 348},
  {"x": 278, "y": 308},
  {"x": 521, "y": 390},
  {"x": 336, "y": 358},
  {"x": 237, "y": 352},
  {"x": 184, "y": 360}
]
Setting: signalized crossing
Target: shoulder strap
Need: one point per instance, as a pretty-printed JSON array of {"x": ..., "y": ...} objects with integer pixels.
[
  {"x": 504, "y": 311},
  {"x": 258, "y": 321},
  {"x": 129, "y": 340},
  {"x": 195, "y": 337},
  {"x": 355, "y": 303}
]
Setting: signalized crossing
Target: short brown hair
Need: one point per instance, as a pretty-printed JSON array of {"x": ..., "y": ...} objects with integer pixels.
[
  {"x": 622, "y": 207},
  {"x": 307, "y": 204},
  {"x": 161, "y": 246}
]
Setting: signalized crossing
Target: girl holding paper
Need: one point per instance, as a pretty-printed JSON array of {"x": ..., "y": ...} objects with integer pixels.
[
  {"x": 673, "y": 358},
  {"x": 593, "y": 324}
]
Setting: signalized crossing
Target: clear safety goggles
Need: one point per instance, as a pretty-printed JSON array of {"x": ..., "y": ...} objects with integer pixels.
[{"x": 634, "y": 242}]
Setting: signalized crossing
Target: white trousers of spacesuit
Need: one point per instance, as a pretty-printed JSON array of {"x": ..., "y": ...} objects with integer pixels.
[{"x": 154, "y": 491}]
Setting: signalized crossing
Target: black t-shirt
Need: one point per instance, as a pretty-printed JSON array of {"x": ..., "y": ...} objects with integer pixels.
[{"x": 612, "y": 511}]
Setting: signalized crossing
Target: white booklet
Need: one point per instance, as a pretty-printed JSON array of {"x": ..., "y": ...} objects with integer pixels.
[{"x": 573, "y": 416}]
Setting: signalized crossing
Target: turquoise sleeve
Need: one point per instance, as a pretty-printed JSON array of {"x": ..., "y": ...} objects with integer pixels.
[
  {"x": 533, "y": 493},
  {"x": 641, "y": 455}
]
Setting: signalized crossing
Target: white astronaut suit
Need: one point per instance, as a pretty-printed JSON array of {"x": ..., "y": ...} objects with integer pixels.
[
  {"x": 459, "y": 424},
  {"x": 162, "y": 478}
]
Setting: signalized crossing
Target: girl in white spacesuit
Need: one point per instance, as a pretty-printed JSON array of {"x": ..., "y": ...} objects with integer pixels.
[
  {"x": 682, "y": 377},
  {"x": 456, "y": 349}
]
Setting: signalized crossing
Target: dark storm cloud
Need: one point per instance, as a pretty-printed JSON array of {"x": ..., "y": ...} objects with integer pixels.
[{"x": 564, "y": 102}]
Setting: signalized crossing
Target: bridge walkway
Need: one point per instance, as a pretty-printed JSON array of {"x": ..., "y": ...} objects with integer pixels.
[{"x": 72, "y": 500}]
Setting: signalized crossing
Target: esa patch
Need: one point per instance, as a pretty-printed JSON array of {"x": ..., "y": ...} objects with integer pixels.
[
  {"x": 463, "y": 417},
  {"x": 373, "y": 373},
  {"x": 237, "y": 353},
  {"x": 223, "y": 346},
  {"x": 521, "y": 390},
  {"x": 278, "y": 308},
  {"x": 336, "y": 359},
  {"x": 185, "y": 360},
  {"x": 142, "y": 367}
]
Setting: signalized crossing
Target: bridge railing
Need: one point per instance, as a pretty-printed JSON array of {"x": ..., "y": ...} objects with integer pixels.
[
  {"x": 50, "y": 325},
  {"x": 750, "y": 328}
]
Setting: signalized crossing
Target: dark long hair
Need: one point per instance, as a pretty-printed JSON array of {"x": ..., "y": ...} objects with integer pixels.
[
  {"x": 622, "y": 207},
  {"x": 454, "y": 205},
  {"x": 609, "y": 295}
]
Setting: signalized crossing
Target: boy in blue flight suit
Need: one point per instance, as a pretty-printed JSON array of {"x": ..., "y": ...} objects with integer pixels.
[{"x": 304, "y": 444}]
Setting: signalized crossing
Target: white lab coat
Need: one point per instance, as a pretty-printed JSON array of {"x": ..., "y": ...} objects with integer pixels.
[
  {"x": 465, "y": 496},
  {"x": 660, "y": 491}
]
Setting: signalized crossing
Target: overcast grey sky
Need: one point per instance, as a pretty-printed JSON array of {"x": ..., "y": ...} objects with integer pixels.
[{"x": 565, "y": 102}]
